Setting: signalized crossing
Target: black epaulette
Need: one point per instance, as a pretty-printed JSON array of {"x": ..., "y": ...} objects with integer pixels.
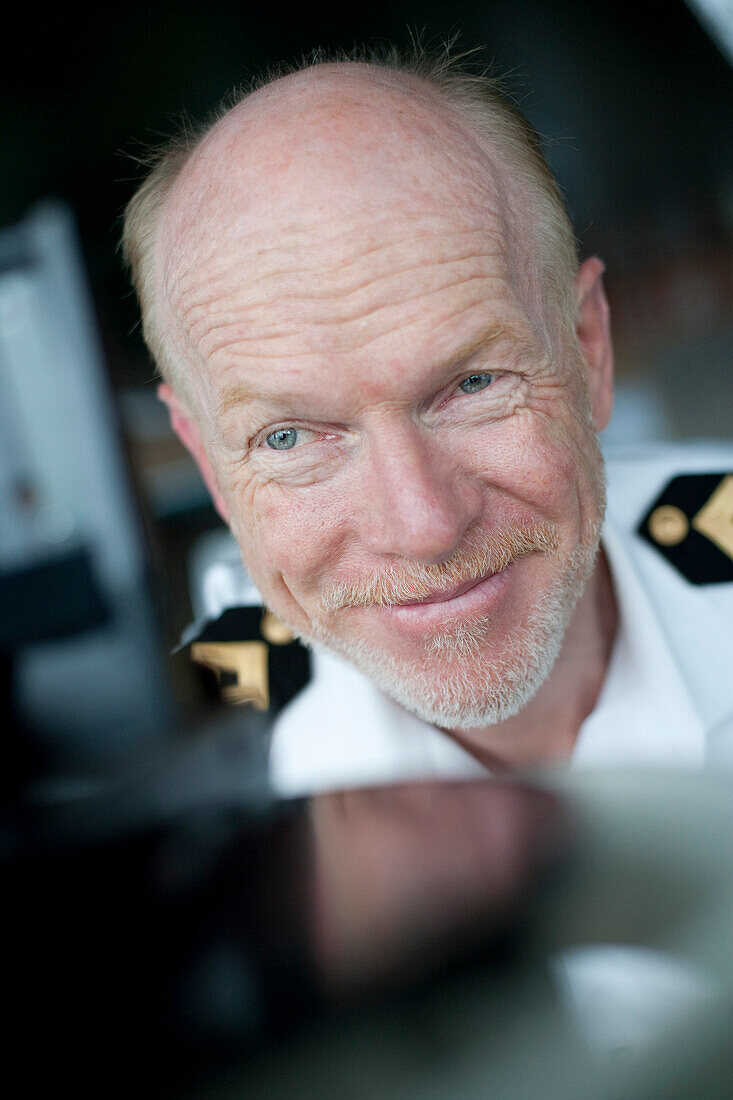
[
  {"x": 255, "y": 656},
  {"x": 691, "y": 524}
]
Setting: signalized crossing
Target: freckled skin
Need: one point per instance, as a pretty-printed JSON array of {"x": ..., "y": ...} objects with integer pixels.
[{"x": 335, "y": 259}]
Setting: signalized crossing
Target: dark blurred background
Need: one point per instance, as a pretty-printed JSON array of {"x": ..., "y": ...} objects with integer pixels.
[{"x": 633, "y": 100}]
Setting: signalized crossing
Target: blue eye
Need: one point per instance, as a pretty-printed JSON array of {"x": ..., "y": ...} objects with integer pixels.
[
  {"x": 475, "y": 382},
  {"x": 282, "y": 439}
]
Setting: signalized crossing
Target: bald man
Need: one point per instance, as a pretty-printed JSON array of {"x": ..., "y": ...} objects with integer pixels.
[{"x": 361, "y": 289}]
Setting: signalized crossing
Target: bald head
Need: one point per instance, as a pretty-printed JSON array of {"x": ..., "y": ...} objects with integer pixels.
[
  {"x": 328, "y": 143},
  {"x": 301, "y": 182}
]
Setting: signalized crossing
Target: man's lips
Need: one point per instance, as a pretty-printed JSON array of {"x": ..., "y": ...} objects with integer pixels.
[
  {"x": 444, "y": 595},
  {"x": 474, "y": 597}
]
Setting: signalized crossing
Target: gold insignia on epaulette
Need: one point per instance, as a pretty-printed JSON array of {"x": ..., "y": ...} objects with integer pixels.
[
  {"x": 715, "y": 518},
  {"x": 245, "y": 662},
  {"x": 668, "y": 525},
  {"x": 691, "y": 525}
]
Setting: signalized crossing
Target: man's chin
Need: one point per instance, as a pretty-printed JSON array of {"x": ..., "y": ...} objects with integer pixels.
[
  {"x": 469, "y": 693},
  {"x": 459, "y": 681},
  {"x": 473, "y": 674}
]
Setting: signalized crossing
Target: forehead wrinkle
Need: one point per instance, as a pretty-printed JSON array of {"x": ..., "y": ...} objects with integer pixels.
[
  {"x": 318, "y": 335},
  {"x": 311, "y": 248},
  {"x": 213, "y": 328},
  {"x": 351, "y": 229},
  {"x": 232, "y": 396},
  {"x": 214, "y": 298},
  {"x": 219, "y": 306}
]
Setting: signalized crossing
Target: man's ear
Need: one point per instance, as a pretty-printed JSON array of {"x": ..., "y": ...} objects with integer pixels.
[
  {"x": 592, "y": 327},
  {"x": 189, "y": 434}
]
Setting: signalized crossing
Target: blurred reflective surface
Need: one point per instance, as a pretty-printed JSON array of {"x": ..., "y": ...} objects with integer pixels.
[
  {"x": 411, "y": 876},
  {"x": 176, "y": 941},
  {"x": 565, "y": 939}
]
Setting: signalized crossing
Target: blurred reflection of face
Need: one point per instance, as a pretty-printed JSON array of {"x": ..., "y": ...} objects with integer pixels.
[
  {"x": 405, "y": 874},
  {"x": 405, "y": 456}
]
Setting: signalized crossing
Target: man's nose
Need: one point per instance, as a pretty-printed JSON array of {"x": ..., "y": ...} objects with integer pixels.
[{"x": 417, "y": 502}]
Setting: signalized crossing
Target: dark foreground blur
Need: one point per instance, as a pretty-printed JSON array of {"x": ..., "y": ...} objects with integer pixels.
[{"x": 565, "y": 939}]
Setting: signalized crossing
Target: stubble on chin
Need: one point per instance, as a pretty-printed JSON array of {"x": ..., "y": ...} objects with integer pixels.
[{"x": 467, "y": 677}]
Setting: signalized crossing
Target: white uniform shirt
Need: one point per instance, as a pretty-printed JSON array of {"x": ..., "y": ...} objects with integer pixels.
[{"x": 667, "y": 699}]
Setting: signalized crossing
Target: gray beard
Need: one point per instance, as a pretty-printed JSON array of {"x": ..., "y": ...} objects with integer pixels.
[{"x": 461, "y": 683}]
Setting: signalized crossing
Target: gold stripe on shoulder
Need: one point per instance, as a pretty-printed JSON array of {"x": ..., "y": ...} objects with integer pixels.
[
  {"x": 715, "y": 518},
  {"x": 246, "y": 661}
]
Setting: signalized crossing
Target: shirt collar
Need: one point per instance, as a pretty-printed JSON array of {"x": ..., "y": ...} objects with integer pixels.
[
  {"x": 343, "y": 732},
  {"x": 645, "y": 715}
]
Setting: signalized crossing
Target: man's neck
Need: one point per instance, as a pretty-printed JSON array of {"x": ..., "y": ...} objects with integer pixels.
[{"x": 547, "y": 728}]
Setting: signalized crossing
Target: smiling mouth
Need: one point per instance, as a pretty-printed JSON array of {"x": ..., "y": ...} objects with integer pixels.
[
  {"x": 446, "y": 595},
  {"x": 473, "y": 597}
]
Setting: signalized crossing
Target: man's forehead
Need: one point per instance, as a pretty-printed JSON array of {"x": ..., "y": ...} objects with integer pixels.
[{"x": 322, "y": 147}]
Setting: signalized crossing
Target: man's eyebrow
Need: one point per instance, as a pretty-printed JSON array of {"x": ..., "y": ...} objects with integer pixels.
[
  {"x": 486, "y": 336},
  {"x": 235, "y": 395}
]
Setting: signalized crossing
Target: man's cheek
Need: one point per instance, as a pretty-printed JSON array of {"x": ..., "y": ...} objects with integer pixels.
[
  {"x": 285, "y": 544},
  {"x": 533, "y": 462},
  {"x": 555, "y": 444}
]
